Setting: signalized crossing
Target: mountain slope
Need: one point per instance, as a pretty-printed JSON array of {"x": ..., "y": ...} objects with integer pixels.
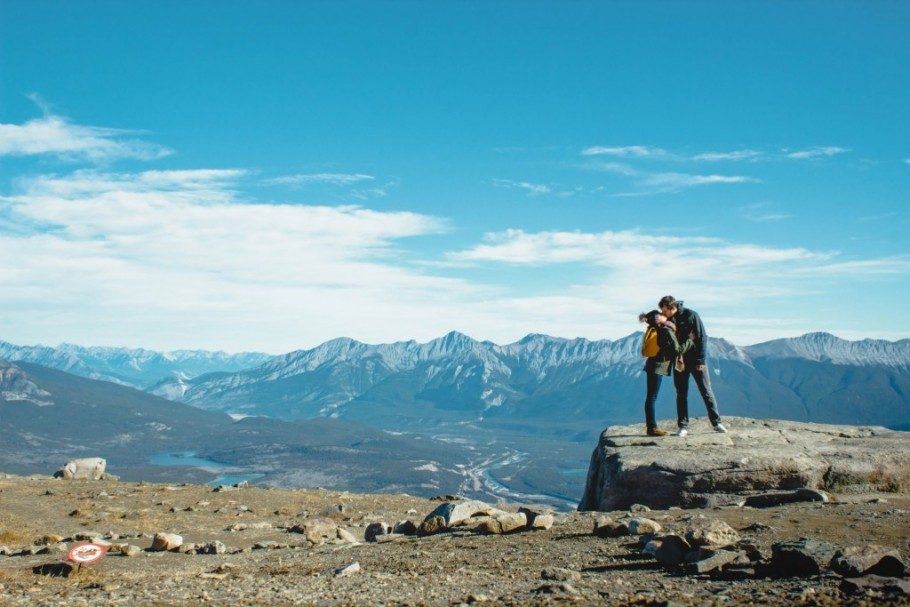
[{"x": 48, "y": 416}]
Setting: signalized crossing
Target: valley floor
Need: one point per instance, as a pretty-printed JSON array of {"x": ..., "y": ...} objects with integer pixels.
[{"x": 444, "y": 569}]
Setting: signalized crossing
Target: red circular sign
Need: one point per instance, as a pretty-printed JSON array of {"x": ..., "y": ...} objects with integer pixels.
[{"x": 86, "y": 554}]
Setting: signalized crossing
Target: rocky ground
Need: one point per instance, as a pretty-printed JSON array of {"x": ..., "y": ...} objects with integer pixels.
[{"x": 277, "y": 546}]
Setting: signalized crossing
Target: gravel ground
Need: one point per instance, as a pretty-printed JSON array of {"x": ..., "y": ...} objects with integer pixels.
[{"x": 445, "y": 569}]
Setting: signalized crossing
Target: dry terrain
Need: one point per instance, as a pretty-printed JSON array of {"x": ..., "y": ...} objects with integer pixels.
[{"x": 563, "y": 565}]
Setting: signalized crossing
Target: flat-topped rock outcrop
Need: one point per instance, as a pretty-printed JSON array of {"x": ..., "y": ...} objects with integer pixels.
[{"x": 755, "y": 457}]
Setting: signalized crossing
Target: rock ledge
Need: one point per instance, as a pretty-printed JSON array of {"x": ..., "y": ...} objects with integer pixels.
[{"x": 708, "y": 469}]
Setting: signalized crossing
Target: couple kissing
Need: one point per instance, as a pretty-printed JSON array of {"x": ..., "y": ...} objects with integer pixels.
[{"x": 675, "y": 343}]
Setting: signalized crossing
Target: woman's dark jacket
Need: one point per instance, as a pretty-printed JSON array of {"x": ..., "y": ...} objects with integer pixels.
[{"x": 670, "y": 348}]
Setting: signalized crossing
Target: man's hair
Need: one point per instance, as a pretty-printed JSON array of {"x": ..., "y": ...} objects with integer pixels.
[{"x": 666, "y": 301}]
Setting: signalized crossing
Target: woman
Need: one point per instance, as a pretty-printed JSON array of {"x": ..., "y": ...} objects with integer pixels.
[{"x": 660, "y": 359}]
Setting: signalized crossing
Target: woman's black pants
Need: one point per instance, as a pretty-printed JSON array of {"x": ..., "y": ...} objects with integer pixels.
[{"x": 653, "y": 389}]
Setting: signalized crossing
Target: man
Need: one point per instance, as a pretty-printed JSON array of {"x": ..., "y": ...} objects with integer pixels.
[{"x": 689, "y": 325}]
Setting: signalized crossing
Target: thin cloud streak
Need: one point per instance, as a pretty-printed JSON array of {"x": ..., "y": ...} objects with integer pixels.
[
  {"x": 629, "y": 151},
  {"x": 308, "y": 178},
  {"x": 731, "y": 156},
  {"x": 533, "y": 189},
  {"x": 55, "y": 135},
  {"x": 816, "y": 152}
]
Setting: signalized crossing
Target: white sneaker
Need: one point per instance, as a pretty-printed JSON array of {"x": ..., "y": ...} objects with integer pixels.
[
  {"x": 718, "y": 427},
  {"x": 682, "y": 432}
]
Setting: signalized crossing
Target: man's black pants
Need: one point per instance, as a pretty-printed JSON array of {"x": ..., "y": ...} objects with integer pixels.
[{"x": 703, "y": 381}]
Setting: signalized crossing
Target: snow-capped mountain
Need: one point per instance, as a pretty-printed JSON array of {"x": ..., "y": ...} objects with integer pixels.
[
  {"x": 541, "y": 378},
  {"x": 135, "y": 367},
  {"x": 824, "y": 347}
]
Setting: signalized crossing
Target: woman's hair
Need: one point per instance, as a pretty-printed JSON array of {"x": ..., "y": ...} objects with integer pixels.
[{"x": 650, "y": 318}]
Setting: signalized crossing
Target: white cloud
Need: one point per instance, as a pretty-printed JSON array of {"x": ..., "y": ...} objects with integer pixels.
[
  {"x": 629, "y": 151},
  {"x": 533, "y": 189},
  {"x": 175, "y": 259},
  {"x": 57, "y": 136},
  {"x": 632, "y": 269},
  {"x": 678, "y": 181},
  {"x": 733, "y": 156},
  {"x": 308, "y": 178},
  {"x": 815, "y": 152}
]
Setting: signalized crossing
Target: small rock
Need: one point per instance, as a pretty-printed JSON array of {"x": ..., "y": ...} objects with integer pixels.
[
  {"x": 54, "y": 569},
  {"x": 711, "y": 532},
  {"x": 875, "y": 583},
  {"x": 374, "y": 530},
  {"x": 560, "y": 588},
  {"x": 672, "y": 551},
  {"x": 166, "y": 541},
  {"x": 541, "y": 521},
  {"x": 871, "y": 559},
  {"x": 317, "y": 530},
  {"x": 512, "y": 521},
  {"x": 58, "y": 548},
  {"x": 639, "y": 508},
  {"x": 405, "y": 528},
  {"x": 757, "y": 527},
  {"x": 717, "y": 560},
  {"x": 221, "y": 488},
  {"x": 454, "y": 512},
  {"x": 559, "y": 574},
  {"x": 345, "y": 535},
  {"x": 51, "y": 538},
  {"x": 348, "y": 569},
  {"x": 803, "y": 557},
  {"x": 131, "y": 550},
  {"x": 432, "y": 525},
  {"x": 215, "y": 547},
  {"x": 188, "y": 548},
  {"x": 87, "y": 468},
  {"x": 641, "y": 526},
  {"x": 87, "y": 536},
  {"x": 605, "y": 527}
]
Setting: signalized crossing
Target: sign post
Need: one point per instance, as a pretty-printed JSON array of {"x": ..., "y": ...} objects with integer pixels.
[{"x": 86, "y": 553}]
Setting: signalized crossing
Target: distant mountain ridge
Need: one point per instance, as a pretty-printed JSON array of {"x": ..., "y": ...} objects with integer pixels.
[
  {"x": 136, "y": 367},
  {"x": 541, "y": 378},
  {"x": 536, "y": 380}
]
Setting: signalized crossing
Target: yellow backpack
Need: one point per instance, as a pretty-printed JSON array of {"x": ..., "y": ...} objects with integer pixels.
[{"x": 649, "y": 345}]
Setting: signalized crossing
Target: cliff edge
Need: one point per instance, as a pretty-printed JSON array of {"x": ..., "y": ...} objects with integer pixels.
[{"x": 753, "y": 462}]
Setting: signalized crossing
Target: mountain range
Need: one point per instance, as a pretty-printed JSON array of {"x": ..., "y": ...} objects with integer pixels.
[
  {"x": 518, "y": 418},
  {"x": 546, "y": 380},
  {"x": 136, "y": 367}
]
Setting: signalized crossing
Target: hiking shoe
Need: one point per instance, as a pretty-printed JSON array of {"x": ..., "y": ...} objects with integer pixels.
[
  {"x": 657, "y": 432},
  {"x": 719, "y": 427},
  {"x": 682, "y": 432}
]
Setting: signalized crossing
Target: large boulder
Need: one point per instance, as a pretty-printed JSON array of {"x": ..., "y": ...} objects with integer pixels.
[
  {"x": 88, "y": 468},
  {"x": 456, "y": 512},
  {"x": 707, "y": 468}
]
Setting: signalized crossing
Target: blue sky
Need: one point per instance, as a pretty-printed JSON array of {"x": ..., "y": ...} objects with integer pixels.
[{"x": 271, "y": 175}]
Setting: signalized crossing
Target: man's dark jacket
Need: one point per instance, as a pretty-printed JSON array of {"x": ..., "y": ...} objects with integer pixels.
[
  {"x": 669, "y": 348},
  {"x": 689, "y": 325}
]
